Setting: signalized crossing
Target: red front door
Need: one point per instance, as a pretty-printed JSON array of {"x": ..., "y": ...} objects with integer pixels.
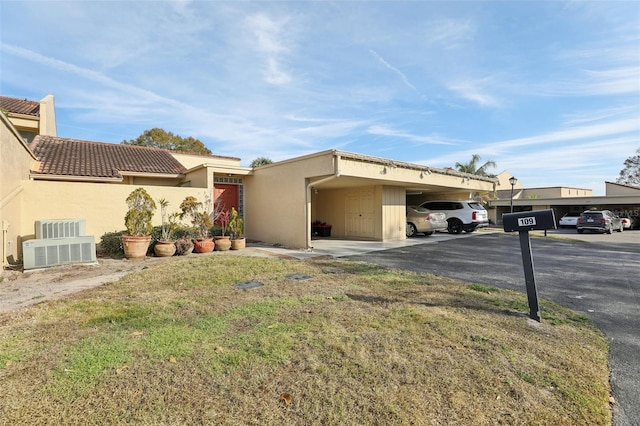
[{"x": 227, "y": 194}]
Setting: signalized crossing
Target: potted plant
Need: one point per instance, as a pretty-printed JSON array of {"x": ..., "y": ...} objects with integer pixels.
[
  {"x": 194, "y": 210},
  {"x": 236, "y": 230},
  {"x": 137, "y": 220},
  {"x": 223, "y": 242},
  {"x": 165, "y": 246}
]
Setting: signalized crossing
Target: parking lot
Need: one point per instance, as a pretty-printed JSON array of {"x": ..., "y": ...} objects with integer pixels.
[{"x": 627, "y": 236}]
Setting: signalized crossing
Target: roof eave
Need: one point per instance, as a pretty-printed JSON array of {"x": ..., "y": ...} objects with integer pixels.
[
  {"x": 41, "y": 176},
  {"x": 153, "y": 175}
]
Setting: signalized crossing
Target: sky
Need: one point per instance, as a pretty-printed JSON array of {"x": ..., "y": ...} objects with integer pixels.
[{"x": 549, "y": 90}]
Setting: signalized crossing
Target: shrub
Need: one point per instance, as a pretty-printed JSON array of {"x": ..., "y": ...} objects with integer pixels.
[
  {"x": 110, "y": 244},
  {"x": 188, "y": 232},
  {"x": 183, "y": 246}
]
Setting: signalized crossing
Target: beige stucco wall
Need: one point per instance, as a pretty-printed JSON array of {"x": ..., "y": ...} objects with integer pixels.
[
  {"x": 48, "y": 116},
  {"x": 102, "y": 205},
  {"x": 15, "y": 161},
  {"x": 612, "y": 189},
  {"x": 200, "y": 177},
  {"x": 191, "y": 160},
  {"x": 554, "y": 192},
  {"x": 276, "y": 199}
]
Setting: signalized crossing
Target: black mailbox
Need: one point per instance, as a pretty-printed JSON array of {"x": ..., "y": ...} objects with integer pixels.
[{"x": 529, "y": 221}]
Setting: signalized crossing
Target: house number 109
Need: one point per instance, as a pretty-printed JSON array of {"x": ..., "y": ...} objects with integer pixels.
[{"x": 526, "y": 221}]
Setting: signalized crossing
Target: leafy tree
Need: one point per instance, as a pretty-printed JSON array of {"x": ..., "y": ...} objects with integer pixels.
[
  {"x": 260, "y": 161},
  {"x": 159, "y": 138},
  {"x": 630, "y": 174},
  {"x": 472, "y": 166}
]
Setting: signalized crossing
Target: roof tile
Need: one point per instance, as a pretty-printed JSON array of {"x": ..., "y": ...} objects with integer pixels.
[
  {"x": 20, "y": 106},
  {"x": 73, "y": 157}
]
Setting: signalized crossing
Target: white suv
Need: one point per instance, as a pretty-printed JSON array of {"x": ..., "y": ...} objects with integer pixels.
[{"x": 461, "y": 215}]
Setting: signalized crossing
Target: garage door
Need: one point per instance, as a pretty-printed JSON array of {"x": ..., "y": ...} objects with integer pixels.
[{"x": 359, "y": 213}]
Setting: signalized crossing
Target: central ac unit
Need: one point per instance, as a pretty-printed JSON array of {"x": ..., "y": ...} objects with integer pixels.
[
  {"x": 58, "y": 251},
  {"x": 60, "y": 228}
]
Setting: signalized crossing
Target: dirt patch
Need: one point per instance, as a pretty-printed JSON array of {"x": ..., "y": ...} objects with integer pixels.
[{"x": 19, "y": 289}]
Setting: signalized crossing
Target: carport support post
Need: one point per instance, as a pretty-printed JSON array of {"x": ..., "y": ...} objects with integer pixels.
[{"x": 529, "y": 275}]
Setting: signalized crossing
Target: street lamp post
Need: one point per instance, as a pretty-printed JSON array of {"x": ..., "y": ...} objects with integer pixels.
[{"x": 512, "y": 181}]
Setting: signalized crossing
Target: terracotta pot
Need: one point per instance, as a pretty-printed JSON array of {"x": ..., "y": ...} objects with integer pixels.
[
  {"x": 238, "y": 243},
  {"x": 135, "y": 247},
  {"x": 203, "y": 245},
  {"x": 223, "y": 243},
  {"x": 164, "y": 248}
]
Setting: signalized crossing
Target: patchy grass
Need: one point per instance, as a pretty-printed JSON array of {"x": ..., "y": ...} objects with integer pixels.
[{"x": 178, "y": 344}]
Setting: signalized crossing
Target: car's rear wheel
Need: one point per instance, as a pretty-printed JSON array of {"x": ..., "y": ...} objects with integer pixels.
[
  {"x": 455, "y": 226},
  {"x": 411, "y": 230}
]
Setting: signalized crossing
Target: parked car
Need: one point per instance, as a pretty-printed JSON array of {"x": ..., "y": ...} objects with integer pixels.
[
  {"x": 628, "y": 222},
  {"x": 461, "y": 215},
  {"x": 600, "y": 221},
  {"x": 569, "y": 220},
  {"x": 421, "y": 220}
]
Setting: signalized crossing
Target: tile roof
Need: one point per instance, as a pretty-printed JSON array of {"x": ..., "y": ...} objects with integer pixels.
[
  {"x": 79, "y": 158},
  {"x": 20, "y": 106}
]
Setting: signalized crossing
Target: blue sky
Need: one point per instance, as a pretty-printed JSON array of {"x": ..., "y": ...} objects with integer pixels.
[{"x": 550, "y": 90}]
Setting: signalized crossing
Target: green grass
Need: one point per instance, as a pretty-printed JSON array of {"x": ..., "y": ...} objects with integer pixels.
[{"x": 178, "y": 344}]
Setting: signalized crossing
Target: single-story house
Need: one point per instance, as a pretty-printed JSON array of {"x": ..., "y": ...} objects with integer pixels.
[{"x": 362, "y": 197}]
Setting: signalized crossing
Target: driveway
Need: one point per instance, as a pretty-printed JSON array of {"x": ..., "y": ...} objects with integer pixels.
[{"x": 599, "y": 279}]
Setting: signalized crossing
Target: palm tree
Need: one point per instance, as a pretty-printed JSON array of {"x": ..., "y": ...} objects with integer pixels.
[{"x": 472, "y": 167}]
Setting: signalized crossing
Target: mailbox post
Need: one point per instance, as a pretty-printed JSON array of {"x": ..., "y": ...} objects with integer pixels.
[{"x": 523, "y": 222}]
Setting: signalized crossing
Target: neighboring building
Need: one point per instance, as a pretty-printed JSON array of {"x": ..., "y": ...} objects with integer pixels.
[
  {"x": 618, "y": 198},
  {"x": 30, "y": 118}
]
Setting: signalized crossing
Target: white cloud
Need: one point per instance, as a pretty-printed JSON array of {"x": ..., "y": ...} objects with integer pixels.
[
  {"x": 475, "y": 91},
  {"x": 387, "y": 65},
  {"x": 270, "y": 42},
  {"x": 450, "y": 33},
  {"x": 418, "y": 140}
]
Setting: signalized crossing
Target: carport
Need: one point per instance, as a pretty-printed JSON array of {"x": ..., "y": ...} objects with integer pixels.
[{"x": 361, "y": 197}]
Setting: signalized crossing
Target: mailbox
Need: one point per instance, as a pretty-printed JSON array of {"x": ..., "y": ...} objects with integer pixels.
[{"x": 529, "y": 221}]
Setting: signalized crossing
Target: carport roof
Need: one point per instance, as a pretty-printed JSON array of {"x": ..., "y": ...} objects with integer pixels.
[{"x": 353, "y": 170}]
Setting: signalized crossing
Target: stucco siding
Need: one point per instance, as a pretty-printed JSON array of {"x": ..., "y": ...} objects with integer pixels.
[
  {"x": 275, "y": 209},
  {"x": 103, "y": 206},
  {"x": 15, "y": 162},
  {"x": 190, "y": 160}
]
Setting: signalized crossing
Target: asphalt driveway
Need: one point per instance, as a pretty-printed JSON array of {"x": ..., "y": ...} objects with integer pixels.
[{"x": 600, "y": 280}]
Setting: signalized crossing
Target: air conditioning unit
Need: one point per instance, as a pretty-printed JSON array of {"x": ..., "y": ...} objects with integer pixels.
[
  {"x": 58, "y": 251},
  {"x": 60, "y": 228}
]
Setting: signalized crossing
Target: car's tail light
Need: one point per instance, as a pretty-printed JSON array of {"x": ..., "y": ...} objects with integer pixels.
[{"x": 474, "y": 215}]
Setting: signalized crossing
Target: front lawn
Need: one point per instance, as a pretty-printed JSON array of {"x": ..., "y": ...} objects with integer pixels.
[{"x": 322, "y": 342}]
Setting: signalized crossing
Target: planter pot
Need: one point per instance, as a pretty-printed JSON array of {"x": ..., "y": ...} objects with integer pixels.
[
  {"x": 164, "y": 248},
  {"x": 203, "y": 245},
  {"x": 135, "y": 247},
  {"x": 223, "y": 243},
  {"x": 238, "y": 243}
]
